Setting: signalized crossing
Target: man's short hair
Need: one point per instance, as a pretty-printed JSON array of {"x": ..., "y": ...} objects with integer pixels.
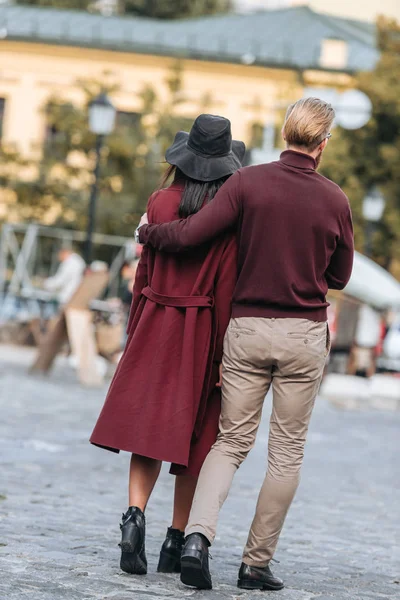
[{"x": 307, "y": 123}]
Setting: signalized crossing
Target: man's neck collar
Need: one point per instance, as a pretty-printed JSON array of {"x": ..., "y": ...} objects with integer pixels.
[{"x": 300, "y": 160}]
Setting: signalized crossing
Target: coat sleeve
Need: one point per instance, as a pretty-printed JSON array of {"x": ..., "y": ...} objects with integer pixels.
[
  {"x": 341, "y": 264},
  {"x": 224, "y": 287},
  {"x": 220, "y": 215},
  {"x": 141, "y": 280},
  {"x": 141, "y": 277}
]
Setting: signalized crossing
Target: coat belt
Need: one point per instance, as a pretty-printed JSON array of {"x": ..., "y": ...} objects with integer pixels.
[{"x": 178, "y": 301}]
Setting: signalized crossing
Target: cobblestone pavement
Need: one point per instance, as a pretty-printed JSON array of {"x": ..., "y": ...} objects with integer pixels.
[{"x": 61, "y": 501}]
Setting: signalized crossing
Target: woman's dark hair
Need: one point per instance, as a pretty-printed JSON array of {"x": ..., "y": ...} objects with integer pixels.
[{"x": 195, "y": 192}]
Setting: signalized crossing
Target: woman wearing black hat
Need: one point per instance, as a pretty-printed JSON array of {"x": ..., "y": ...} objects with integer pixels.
[{"x": 164, "y": 401}]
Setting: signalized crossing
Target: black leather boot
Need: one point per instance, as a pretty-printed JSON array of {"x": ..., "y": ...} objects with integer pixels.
[
  {"x": 170, "y": 555},
  {"x": 194, "y": 562},
  {"x": 133, "y": 529},
  {"x": 258, "y": 578}
]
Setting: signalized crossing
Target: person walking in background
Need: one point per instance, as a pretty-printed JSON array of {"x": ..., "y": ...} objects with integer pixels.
[
  {"x": 164, "y": 401},
  {"x": 295, "y": 242},
  {"x": 68, "y": 276}
]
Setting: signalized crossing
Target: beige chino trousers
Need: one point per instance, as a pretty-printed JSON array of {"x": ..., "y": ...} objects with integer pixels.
[{"x": 289, "y": 354}]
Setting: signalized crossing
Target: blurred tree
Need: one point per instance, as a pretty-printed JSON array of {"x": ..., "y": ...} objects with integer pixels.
[
  {"x": 70, "y": 4},
  {"x": 55, "y": 189},
  {"x": 158, "y": 9},
  {"x": 370, "y": 156},
  {"x": 174, "y": 9}
]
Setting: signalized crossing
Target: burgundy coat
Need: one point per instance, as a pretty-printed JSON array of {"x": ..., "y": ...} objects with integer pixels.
[{"x": 162, "y": 402}]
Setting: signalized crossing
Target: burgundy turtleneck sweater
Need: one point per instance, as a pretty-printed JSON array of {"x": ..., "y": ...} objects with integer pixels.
[{"x": 295, "y": 237}]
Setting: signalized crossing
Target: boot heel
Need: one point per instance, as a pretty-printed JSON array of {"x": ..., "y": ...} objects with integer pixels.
[
  {"x": 168, "y": 563},
  {"x": 132, "y": 563},
  {"x": 127, "y": 547},
  {"x": 248, "y": 584},
  {"x": 193, "y": 572},
  {"x": 192, "y": 557}
]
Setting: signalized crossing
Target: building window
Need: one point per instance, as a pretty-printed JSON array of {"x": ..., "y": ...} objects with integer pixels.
[
  {"x": 56, "y": 142},
  {"x": 256, "y": 135},
  {"x": 2, "y": 109},
  {"x": 56, "y": 133},
  {"x": 334, "y": 54},
  {"x": 51, "y": 134}
]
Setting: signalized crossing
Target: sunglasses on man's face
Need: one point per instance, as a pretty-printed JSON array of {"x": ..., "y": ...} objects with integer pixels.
[{"x": 327, "y": 137}]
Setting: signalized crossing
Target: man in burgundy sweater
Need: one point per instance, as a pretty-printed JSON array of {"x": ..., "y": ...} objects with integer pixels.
[{"x": 295, "y": 241}]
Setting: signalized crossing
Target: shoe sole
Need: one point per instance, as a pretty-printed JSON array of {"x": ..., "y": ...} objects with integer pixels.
[
  {"x": 168, "y": 563},
  {"x": 192, "y": 573},
  {"x": 130, "y": 560},
  {"x": 249, "y": 584}
]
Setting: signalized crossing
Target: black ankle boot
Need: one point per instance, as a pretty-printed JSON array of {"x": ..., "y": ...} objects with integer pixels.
[
  {"x": 170, "y": 555},
  {"x": 194, "y": 562},
  {"x": 133, "y": 529}
]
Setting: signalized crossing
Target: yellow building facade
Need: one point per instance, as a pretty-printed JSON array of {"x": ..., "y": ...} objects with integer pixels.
[
  {"x": 31, "y": 73},
  {"x": 248, "y": 71}
]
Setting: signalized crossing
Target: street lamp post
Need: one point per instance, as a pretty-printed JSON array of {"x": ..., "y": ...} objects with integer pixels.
[
  {"x": 101, "y": 122},
  {"x": 373, "y": 207}
]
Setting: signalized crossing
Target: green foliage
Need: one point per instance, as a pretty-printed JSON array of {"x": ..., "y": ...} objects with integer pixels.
[
  {"x": 158, "y": 9},
  {"x": 132, "y": 160},
  {"x": 70, "y": 4},
  {"x": 174, "y": 9},
  {"x": 370, "y": 156}
]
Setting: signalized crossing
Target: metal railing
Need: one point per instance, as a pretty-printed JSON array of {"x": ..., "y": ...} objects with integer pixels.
[{"x": 22, "y": 262}]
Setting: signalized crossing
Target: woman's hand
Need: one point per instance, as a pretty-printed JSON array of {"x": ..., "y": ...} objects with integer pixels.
[
  {"x": 219, "y": 383},
  {"x": 143, "y": 220}
]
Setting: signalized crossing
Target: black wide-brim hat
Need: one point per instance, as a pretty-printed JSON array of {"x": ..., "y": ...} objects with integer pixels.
[{"x": 208, "y": 152}]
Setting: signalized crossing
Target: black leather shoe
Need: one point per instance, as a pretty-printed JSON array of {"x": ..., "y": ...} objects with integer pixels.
[
  {"x": 170, "y": 555},
  {"x": 133, "y": 554},
  {"x": 258, "y": 578},
  {"x": 194, "y": 562}
]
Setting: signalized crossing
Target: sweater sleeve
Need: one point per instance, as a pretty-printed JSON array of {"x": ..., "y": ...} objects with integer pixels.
[
  {"x": 224, "y": 287},
  {"x": 341, "y": 264},
  {"x": 218, "y": 216}
]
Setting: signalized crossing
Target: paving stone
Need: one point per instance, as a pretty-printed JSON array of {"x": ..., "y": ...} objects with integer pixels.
[{"x": 61, "y": 500}]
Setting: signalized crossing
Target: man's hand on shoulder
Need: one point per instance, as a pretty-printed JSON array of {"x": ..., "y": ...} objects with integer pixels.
[{"x": 222, "y": 213}]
